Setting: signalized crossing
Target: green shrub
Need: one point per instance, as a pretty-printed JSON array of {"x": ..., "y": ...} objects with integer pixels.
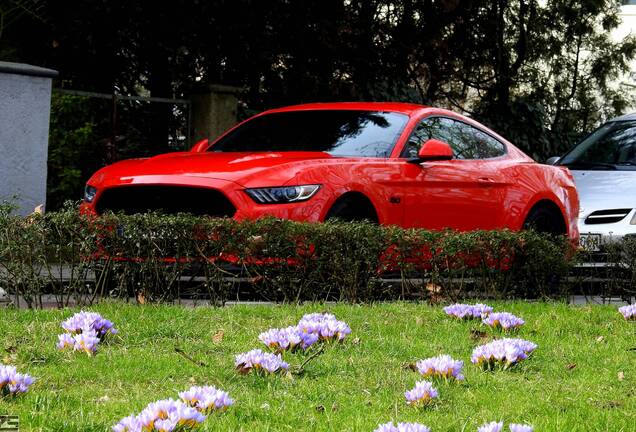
[{"x": 155, "y": 257}]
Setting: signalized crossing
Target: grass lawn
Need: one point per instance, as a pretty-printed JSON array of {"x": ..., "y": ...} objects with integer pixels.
[{"x": 581, "y": 378}]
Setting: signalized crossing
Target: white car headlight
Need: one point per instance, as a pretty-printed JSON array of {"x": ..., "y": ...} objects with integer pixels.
[{"x": 281, "y": 195}]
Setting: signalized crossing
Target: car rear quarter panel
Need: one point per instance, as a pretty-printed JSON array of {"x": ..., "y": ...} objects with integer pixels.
[{"x": 531, "y": 183}]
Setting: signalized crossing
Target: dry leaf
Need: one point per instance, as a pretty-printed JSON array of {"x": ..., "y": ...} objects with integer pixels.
[
  {"x": 434, "y": 293},
  {"x": 621, "y": 376},
  {"x": 571, "y": 366},
  {"x": 334, "y": 407},
  {"x": 418, "y": 321},
  {"x": 600, "y": 339},
  {"x": 242, "y": 370},
  {"x": 410, "y": 366},
  {"x": 356, "y": 341},
  {"x": 217, "y": 338},
  {"x": 478, "y": 334},
  {"x": 141, "y": 299}
]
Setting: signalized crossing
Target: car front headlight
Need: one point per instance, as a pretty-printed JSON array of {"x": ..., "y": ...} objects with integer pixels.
[
  {"x": 281, "y": 195},
  {"x": 89, "y": 193}
]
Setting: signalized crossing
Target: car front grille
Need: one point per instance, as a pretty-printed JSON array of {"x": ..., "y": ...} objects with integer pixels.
[
  {"x": 607, "y": 216},
  {"x": 165, "y": 199}
]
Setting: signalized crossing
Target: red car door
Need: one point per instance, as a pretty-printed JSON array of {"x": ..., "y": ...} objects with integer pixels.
[{"x": 465, "y": 193}]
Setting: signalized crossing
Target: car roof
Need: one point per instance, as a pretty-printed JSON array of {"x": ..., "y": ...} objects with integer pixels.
[
  {"x": 626, "y": 117},
  {"x": 400, "y": 107}
]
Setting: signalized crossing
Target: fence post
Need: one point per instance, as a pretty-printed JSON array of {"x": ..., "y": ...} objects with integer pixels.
[
  {"x": 25, "y": 109},
  {"x": 214, "y": 110}
]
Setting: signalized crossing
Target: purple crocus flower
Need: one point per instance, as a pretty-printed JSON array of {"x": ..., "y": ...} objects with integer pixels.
[
  {"x": 491, "y": 427},
  {"x": 20, "y": 384},
  {"x": 289, "y": 338},
  {"x": 84, "y": 331},
  {"x": 442, "y": 366},
  {"x": 325, "y": 326},
  {"x": 6, "y": 374},
  {"x": 503, "y": 352},
  {"x": 402, "y": 427},
  {"x": 629, "y": 311},
  {"x": 524, "y": 345},
  {"x": 82, "y": 320},
  {"x": 13, "y": 383},
  {"x": 308, "y": 339},
  {"x": 466, "y": 311},
  {"x": 520, "y": 428},
  {"x": 65, "y": 340},
  {"x": 128, "y": 424},
  {"x": 167, "y": 425},
  {"x": 186, "y": 417},
  {"x": 163, "y": 416},
  {"x": 422, "y": 394},
  {"x": 206, "y": 399},
  {"x": 86, "y": 341},
  {"x": 503, "y": 320},
  {"x": 260, "y": 361}
]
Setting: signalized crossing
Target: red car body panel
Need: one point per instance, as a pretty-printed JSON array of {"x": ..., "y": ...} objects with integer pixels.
[{"x": 459, "y": 194}]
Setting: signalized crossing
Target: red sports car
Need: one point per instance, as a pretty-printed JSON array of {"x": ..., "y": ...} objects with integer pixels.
[{"x": 391, "y": 163}]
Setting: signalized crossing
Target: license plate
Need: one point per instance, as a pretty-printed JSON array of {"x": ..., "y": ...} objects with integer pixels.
[{"x": 590, "y": 242}]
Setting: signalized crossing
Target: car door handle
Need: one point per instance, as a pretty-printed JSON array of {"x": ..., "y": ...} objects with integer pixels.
[{"x": 485, "y": 181}]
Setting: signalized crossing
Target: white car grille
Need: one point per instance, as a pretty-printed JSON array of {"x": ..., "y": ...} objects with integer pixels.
[{"x": 606, "y": 216}]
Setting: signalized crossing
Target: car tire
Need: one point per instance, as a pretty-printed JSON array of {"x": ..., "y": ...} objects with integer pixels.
[
  {"x": 546, "y": 220},
  {"x": 354, "y": 209}
]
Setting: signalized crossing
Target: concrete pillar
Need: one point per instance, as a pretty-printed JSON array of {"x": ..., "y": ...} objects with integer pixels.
[
  {"x": 214, "y": 111},
  {"x": 25, "y": 108}
]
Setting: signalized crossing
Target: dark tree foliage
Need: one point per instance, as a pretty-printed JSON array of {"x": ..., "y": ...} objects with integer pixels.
[{"x": 539, "y": 72}]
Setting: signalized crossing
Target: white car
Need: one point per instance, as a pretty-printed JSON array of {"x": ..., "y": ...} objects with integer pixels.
[{"x": 604, "y": 169}]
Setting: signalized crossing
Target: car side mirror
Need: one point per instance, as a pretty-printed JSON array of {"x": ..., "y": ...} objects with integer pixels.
[
  {"x": 553, "y": 160},
  {"x": 200, "y": 146},
  {"x": 433, "y": 150}
]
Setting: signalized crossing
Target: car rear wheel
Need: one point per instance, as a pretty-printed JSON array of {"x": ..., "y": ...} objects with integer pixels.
[{"x": 546, "y": 219}]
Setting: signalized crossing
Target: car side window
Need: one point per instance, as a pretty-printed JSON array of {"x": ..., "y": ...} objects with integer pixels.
[
  {"x": 466, "y": 141},
  {"x": 424, "y": 131},
  {"x": 482, "y": 145},
  {"x": 443, "y": 129}
]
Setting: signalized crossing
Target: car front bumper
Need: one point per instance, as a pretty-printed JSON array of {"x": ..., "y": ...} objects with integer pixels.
[{"x": 312, "y": 210}]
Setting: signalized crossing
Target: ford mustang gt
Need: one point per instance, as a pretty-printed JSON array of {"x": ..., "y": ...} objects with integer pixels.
[{"x": 390, "y": 163}]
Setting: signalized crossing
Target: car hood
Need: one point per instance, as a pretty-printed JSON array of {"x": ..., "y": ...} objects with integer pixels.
[
  {"x": 600, "y": 190},
  {"x": 237, "y": 167}
]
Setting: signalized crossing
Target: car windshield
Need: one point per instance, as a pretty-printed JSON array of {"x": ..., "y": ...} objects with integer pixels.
[
  {"x": 610, "y": 147},
  {"x": 337, "y": 132}
]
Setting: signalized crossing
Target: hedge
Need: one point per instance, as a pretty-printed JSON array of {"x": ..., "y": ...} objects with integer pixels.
[{"x": 155, "y": 257}]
